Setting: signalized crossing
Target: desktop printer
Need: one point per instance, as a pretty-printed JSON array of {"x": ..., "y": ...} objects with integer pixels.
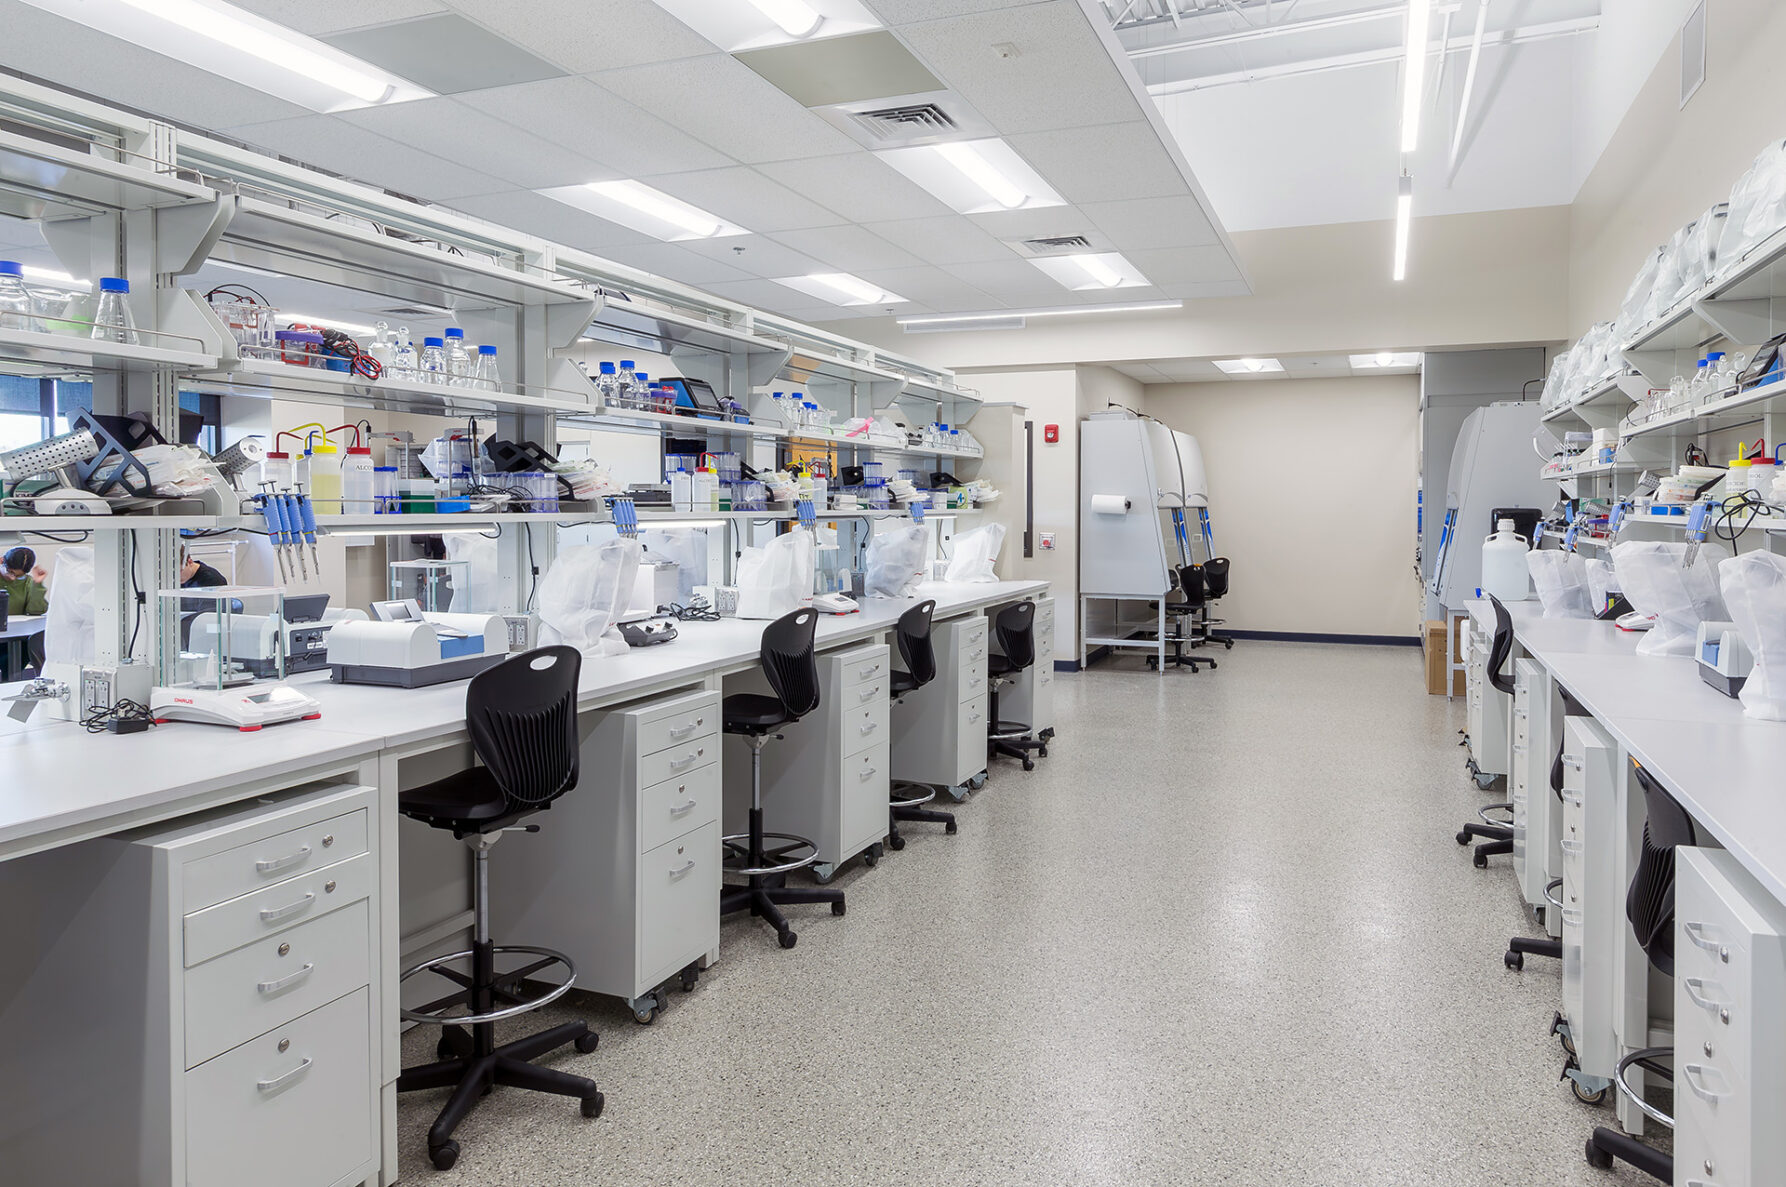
[
  {"x": 406, "y": 647},
  {"x": 308, "y": 621}
]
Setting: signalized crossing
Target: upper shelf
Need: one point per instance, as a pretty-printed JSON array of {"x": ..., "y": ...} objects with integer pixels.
[
  {"x": 42, "y": 179},
  {"x": 284, "y": 381},
  {"x": 663, "y": 331},
  {"x": 804, "y": 367},
  {"x": 37, "y": 353},
  {"x": 1738, "y": 408}
]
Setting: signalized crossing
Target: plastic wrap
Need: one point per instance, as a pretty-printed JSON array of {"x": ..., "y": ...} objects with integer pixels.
[
  {"x": 1554, "y": 394},
  {"x": 1634, "y": 312},
  {"x": 584, "y": 594},
  {"x": 1602, "y": 584},
  {"x": 1657, "y": 579},
  {"x": 1754, "y": 588},
  {"x": 686, "y": 548},
  {"x": 896, "y": 561},
  {"x": 1757, "y": 205},
  {"x": 777, "y": 578},
  {"x": 482, "y": 588},
  {"x": 1561, "y": 579},
  {"x": 976, "y": 553},
  {"x": 68, "y": 623}
]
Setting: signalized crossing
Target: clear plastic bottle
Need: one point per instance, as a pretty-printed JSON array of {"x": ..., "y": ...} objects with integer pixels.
[
  {"x": 627, "y": 385},
  {"x": 458, "y": 359},
  {"x": 381, "y": 350},
  {"x": 431, "y": 367},
  {"x": 384, "y": 490},
  {"x": 112, "y": 321},
  {"x": 607, "y": 383},
  {"x": 357, "y": 495},
  {"x": 403, "y": 355},
  {"x": 484, "y": 375},
  {"x": 16, "y": 301}
]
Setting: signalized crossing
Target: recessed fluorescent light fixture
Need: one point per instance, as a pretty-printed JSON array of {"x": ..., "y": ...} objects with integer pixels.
[
  {"x": 1091, "y": 272},
  {"x": 840, "y": 288},
  {"x": 1404, "y": 217},
  {"x": 1008, "y": 314},
  {"x": 974, "y": 176},
  {"x": 738, "y": 25},
  {"x": 648, "y": 211},
  {"x": 1248, "y": 366},
  {"x": 1385, "y": 358},
  {"x": 1414, "y": 71},
  {"x": 224, "y": 40}
]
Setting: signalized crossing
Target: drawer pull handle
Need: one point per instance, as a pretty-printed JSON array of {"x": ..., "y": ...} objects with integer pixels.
[
  {"x": 1695, "y": 1076},
  {"x": 677, "y": 733},
  {"x": 1520, "y": 713},
  {"x": 1700, "y": 935},
  {"x": 1571, "y": 917},
  {"x": 268, "y": 865},
  {"x": 1695, "y": 987},
  {"x": 975, "y": 716},
  {"x": 870, "y": 728},
  {"x": 870, "y": 670},
  {"x": 1572, "y": 799},
  {"x": 866, "y": 775},
  {"x": 868, "y": 694},
  {"x": 272, "y": 913},
  {"x": 1572, "y": 848},
  {"x": 682, "y": 869},
  {"x": 288, "y": 980},
  {"x": 278, "y": 1082},
  {"x": 684, "y": 808},
  {"x": 1519, "y": 748},
  {"x": 1572, "y": 762},
  {"x": 678, "y": 764}
]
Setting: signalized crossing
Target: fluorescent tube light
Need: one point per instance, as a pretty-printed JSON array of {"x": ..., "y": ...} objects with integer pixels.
[
  {"x": 646, "y": 210},
  {"x": 1098, "y": 270},
  {"x": 658, "y": 205},
  {"x": 1384, "y": 358},
  {"x": 1247, "y": 366},
  {"x": 976, "y": 169},
  {"x": 1404, "y": 215},
  {"x": 795, "y": 18},
  {"x": 224, "y": 26},
  {"x": 1414, "y": 71},
  {"x": 848, "y": 285},
  {"x": 346, "y": 327},
  {"x": 1091, "y": 272},
  {"x": 1007, "y": 314},
  {"x": 840, "y": 288}
]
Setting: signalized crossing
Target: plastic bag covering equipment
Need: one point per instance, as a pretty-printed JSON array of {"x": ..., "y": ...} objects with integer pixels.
[
  {"x": 777, "y": 578},
  {"x": 1657, "y": 579},
  {"x": 1757, "y": 205},
  {"x": 976, "y": 553},
  {"x": 1603, "y": 583},
  {"x": 1754, "y": 588},
  {"x": 1561, "y": 579},
  {"x": 896, "y": 561},
  {"x": 585, "y": 593},
  {"x": 483, "y": 587},
  {"x": 68, "y": 623}
]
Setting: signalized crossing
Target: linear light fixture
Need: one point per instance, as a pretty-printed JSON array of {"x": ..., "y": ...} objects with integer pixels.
[
  {"x": 1091, "y": 271},
  {"x": 224, "y": 40},
  {"x": 966, "y": 158},
  {"x": 974, "y": 176},
  {"x": 1414, "y": 71},
  {"x": 1247, "y": 366},
  {"x": 761, "y": 24},
  {"x": 1384, "y": 358},
  {"x": 346, "y": 327},
  {"x": 1099, "y": 270},
  {"x": 840, "y": 288},
  {"x": 1008, "y": 314},
  {"x": 55, "y": 278},
  {"x": 646, "y": 210},
  {"x": 1404, "y": 215},
  {"x": 796, "y": 18}
]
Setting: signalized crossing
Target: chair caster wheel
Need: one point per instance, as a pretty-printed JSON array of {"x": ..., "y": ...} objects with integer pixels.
[
  {"x": 896, "y": 843},
  {"x": 443, "y": 1049},
  {"x": 788, "y": 939},
  {"x": 951, "y": 828},
  {"x": 1480, "y": 860},
  {"x": 690, "y": 976},
  {"x": 1029, "y": 764},
  {"x": 592, "y": 1104},
  {"x": 1042, "y": 752},
  {"x": 1463, "y": 838},
  {"x": 587, "y": 1043},
  {"x": 1514, "y": 960},
  {"x": 444, "y": 1155},
  {"x": 836, "y": 909},
  {"x": 1598, "y": 1158},
  {"x": 1228, "y": 645},
  {"x": 1590, "y": 1098}
]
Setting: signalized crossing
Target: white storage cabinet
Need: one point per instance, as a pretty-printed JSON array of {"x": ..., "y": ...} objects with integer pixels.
[
  {"x": 1537, "y": 810},
  {"x": 1030, "y": 697},
  {"x": 1593, "y": 913},
  {"x": 939, "y": 730},
  {"x": 1489, "y": 710}
]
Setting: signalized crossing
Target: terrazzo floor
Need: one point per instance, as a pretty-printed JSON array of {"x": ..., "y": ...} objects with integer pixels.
[{"x": 1222, "y": 935}]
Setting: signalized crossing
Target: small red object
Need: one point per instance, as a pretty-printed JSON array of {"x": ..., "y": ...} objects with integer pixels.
[
  {"x": 248, "y": 729},
  {"x": 1051, "y": 434},
  {"x": 310, "y": 716}
]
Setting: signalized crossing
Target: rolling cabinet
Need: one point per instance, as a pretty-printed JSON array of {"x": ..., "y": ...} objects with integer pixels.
[
  {"x": 1593, "y": 911},
  {"x": 1488, "y": 710},
  {"x": 828, "y": 780},
  {"x": 197, "y": 1003},
  {"x": 1030, "y": 698},
  {"x": 939, "y": 730},
  {"x": 1519, "y": 777},
  {"x": 623, "y": 876},
  {"x": 1730, "y": 1024},
  {"x": 1537, "y": 810}
]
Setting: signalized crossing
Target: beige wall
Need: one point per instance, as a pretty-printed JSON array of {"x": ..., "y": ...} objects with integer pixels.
[{"x": 1338, "y": 562}]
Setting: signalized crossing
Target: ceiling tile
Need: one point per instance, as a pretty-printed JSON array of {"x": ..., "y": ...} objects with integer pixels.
[
  {"x": 1223, "y": 288},
  {"x": 719, "y": 100},
  {"x": 763, "y": 294},
  {"x": 745, "y": 197},
  {"x": 1061, "y": 77},
  {"x": 539, "y": 215},
  {"x": 1104, "y": 164},
  {"x": 898, "y": 12},
  {"x": 1044, "y": 222},
  {"x": 930, "y": 286},
  {"x": 1152, "y": 222},
  {"x": 861, "y": 187},
  {"x": 761, "y": 256},
  {"x": 951, "y": 239},
  {"x": 332, "y": 16},
  {"x": 848, "y": 249},
  {"x": 352, "y": 151},
  {"x": 449, "y": 129},
  {"x": 1015, "y": 281},
  {"x": 1185, "y": 265},
  {"x": 445, "y": 53},
  {"x": 673, "y": 261},
  {"x": 584, "y": 36},
  {"x": 580, "y": 116}
]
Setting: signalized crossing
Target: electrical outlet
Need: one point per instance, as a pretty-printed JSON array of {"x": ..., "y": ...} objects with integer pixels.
[{"x": 1047, "y": 541}]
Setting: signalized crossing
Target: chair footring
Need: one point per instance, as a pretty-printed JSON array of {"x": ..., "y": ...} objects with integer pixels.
[
  {"x": 738, "y": 845},
  {"x": 901, "y": 797},
  {"x": 548, "y": 958}
]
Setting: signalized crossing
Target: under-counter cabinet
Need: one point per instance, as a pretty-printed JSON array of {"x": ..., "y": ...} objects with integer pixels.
[
  {"x": 194, "y": 1003},
  {"x": 1593, "y": 911},
  {"x": 623, "y": 876},
  {"x": 939, "y": 730},
  {"x": 1030, "y": 697},
  {"x": 1488, "y": 709},
  {"x": 1537, "y": 809},
  {"x": 827, "y": 778}
]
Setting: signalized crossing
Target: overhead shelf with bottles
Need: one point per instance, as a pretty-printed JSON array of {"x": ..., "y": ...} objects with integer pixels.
[
  {"x": 274, "y": 380},
  {"x": 1726, "y": 412},
  {"x": 44, "y": 354},
  {"x": 71, "y": 177}
]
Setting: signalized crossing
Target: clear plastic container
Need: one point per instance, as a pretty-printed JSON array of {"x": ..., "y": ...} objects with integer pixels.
[
  {"x": 276, "y": 470},
  {"x": 626, "y": 385},
  {"x": 357, "y": 497},
  {"x": 381, "y": 350},
  {"x": 1504, "y": 570},
  {"x": 431, "y": 366},
  {"x": 299, "y": 348},
  {"x": 18, "y": 304},
  {"x": 325, "y": 476},
  {"x": 384, "y": 490},
  {"x": 403, "y": 354},
  {"x": 458, "y": 360},
  {"x": 607, "y": 382},
  {"x": 112, "y": 320},
  {"x": 484, "y": 375}
]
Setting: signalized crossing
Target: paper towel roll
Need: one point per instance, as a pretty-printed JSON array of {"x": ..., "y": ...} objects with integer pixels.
[{"x": 1110, "y": 504}]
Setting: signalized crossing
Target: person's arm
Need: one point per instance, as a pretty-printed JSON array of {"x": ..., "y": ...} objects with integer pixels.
[
  {"x": 207, "y": 577},
  {"x": 37, "y": 598}
]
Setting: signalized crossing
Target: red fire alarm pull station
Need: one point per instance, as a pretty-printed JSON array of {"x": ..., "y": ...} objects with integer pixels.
[{"x": 1051, "y": 434}]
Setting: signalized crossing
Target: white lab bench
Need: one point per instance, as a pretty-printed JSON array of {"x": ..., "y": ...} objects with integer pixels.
[{"x": 68, "y": 787}]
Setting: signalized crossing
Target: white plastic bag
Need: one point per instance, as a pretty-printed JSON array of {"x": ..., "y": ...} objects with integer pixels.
[
  {"x": 1754, "y": 588},
  {"x": 68, "y": 623},
  {"x": 1602, "y": 584},
  {"x": 896, "y": 561},
  {"x": 687, "y": 549},
  {"x": 585, "y": 593},
  {"x": 976, "y": 553},
  {"x": 478, "y": 590},
  {"x": 1561, "y": 579},
  {"x": 1657, "y": 579},
  {"x": 1757, "y": 204},
  {"x": 777, "y": 578}
]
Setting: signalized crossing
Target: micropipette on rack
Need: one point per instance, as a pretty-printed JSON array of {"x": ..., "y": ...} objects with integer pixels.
[
  {"x": 309, "y": 525},
  {"x": 293, "y": 523},
  {"x": 268, "y": 503}
]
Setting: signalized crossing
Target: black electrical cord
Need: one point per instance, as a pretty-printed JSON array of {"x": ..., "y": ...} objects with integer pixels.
[
  {"x": 137, "y": 591},
  {"x": 99, "y": 720},
  {"x": 532, "y": 569},
  {"x": 1744, "y": 502},
  {"x": 697, "y": 610}
]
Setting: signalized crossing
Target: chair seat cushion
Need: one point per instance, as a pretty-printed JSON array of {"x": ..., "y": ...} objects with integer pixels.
[
  {"x": 902, "y": 682},
  {"x": 463, "y": 800},
  {"x": 749, "y": 712},
  {"x": 999, "y": 665}
]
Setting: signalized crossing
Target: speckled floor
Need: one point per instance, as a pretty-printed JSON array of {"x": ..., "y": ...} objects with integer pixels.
[{"x": 1222, "y": 935}]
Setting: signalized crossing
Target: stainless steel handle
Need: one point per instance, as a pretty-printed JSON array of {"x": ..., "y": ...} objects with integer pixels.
[
  {"x": 870, "y": 670},
  {"x": 684, "y": 808},
  {"x": 1695, "y": 987},
  {"x": 1572, "y": 848},
  {"x": 1694, "y": 1075},
  {"x": 679, "y": 732},
  {"x": 1572, "y": 762},
  {"x": 682, "y": 869},
  {"x": 288, "y": 980},
  {"x": 268, "y": 865},
  {"x": 272, "y": 913},
  {"x": 1700, "y": 935},
  {"x": 866, "y": 775},
  {"x": 869, "y": 728},
  {"x": 280, "y": 1081},
  {"x": 677, "y": 764},
  {"x": 868, "y": 694}
]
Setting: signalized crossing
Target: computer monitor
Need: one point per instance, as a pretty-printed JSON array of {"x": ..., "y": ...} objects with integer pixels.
[{"x": 694, "y": 397}]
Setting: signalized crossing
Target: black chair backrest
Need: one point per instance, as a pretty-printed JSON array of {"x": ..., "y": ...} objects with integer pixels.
[
  {"x": 1649, "y": 903},
  {"x": 1215, "y": 577},
  {"x": 1501, "y": 648},
  {"x": 790, "y": 663},
  {"x": 522, "y": 714},
  {"x": 1016, "y": 635},
  {"x": 915, "y": 648},
  {"x": 1192, "y": 584}
]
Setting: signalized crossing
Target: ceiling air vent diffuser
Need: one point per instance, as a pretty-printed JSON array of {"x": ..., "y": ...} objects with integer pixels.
[
  {"x": 899, "y": 125},
  {"x": 1057, "y": 245}
]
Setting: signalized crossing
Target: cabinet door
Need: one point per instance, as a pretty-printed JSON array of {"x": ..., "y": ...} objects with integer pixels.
[{"x": 678, "y": 903}]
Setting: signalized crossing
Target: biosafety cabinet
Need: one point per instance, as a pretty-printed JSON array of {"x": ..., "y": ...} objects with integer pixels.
[
  {"x": 1491, "y": 468},
  {"x": 1134, "y": 475}
]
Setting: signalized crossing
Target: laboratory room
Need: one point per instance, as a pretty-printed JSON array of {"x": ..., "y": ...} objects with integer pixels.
[{"x": 733, "y": 592}]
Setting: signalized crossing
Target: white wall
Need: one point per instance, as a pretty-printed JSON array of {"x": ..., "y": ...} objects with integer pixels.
[{"x": 1311, "y": 490}]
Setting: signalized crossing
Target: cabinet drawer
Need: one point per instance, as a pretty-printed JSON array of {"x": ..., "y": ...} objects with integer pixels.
[
  {"x": 295, "y": 1106},
  {"x": 215, "y": 930},
  {"x": 678, "y": 918},
  {"x": 676, "y": 806},
  {"x": 253, "y": 989},
  {"x": 1045, "y": 611},
  {"x": 867, "y": 769},
  {"x": 678, "y": 761},
  {"x": 685, "y": 727},
  {"x": 862, "y": 696},
  {"x": 273, "y": 859},
  {"x": 864, "y": 665},
  {"x": 970, "y": 736},
  {"x": 865, "y": 726},
  {"x": 971, "y": 685}
]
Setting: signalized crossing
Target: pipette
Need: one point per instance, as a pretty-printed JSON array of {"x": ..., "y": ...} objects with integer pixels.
[
  {"x": 309, "y": 525},
  {"x": 275, "y": 521},
  {"x": 293, "y": 524}
]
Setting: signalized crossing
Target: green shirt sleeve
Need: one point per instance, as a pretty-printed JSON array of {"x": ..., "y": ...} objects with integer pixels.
[{"x": 37, "y": 598}]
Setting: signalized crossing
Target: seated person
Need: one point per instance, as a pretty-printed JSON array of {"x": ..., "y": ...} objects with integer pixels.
[
  {"x": 22, "y": 579},
  {"x": 194, "y": 572}
]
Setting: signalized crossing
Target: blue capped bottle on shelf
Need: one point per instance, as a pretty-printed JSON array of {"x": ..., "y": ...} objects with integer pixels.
[
  {"x": 607, "y": 383},
  {"x": 112, "y": 321},
  {"x": 626, "y": 390}
]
